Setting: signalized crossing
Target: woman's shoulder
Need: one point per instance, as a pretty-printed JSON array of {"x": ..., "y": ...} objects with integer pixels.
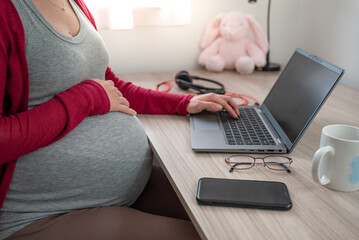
[
  {"x": 11, "y": 29},
  {"x": 7, "y": 7},
  {"x": 86, "y": 11},
  {"x": 8, "y": 13}
]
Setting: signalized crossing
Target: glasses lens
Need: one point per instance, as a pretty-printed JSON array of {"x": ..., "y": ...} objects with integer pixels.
[
  {"x": 277, "y": 162},
  {"x": 241, "y": 162}
]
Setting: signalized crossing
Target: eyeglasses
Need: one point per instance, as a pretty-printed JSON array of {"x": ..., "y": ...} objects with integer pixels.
[{"x": 244, "y": 162}]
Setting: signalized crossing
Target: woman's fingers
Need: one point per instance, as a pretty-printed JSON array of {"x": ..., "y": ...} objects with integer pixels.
[
  {"x": 124, "y": 109},
  {"x": 117, "y": 102},
  {"x": 124, "y": 101},
  {"x": 213, "y": 102}
]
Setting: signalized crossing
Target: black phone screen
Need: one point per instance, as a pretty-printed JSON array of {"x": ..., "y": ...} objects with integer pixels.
[{"x": 243, "y": 193}]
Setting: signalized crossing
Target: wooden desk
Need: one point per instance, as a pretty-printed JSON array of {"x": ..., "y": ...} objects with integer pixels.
[{"x": 317, "y": 213}]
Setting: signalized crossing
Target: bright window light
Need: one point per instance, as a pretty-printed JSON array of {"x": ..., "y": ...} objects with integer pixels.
[{"x": 127, "y": 14}]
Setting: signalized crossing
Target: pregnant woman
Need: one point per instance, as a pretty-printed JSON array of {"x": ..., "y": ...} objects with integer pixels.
[{"x": 74, "y": 159}]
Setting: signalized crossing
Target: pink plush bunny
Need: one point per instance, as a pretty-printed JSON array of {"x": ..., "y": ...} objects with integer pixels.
[{"x": 226, "y": 44}]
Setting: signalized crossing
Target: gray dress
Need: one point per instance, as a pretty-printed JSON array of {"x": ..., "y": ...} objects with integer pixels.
[{"x": 106, "y": 160}]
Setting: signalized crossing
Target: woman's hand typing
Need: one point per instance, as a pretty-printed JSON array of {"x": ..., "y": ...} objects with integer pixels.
[{"x": 213, "y": 102}]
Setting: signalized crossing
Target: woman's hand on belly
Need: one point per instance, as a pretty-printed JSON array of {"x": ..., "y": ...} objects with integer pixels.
[{"x": 117, "y": 102}]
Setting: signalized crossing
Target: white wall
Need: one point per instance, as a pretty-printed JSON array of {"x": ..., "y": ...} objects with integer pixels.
[{"x": 327, "y": 28}]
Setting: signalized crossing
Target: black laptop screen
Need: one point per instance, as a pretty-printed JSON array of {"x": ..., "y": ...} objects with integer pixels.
[{"x": 300, "y": 91}]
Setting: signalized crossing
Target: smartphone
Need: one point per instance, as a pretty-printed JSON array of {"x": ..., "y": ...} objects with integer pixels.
[{"x": 243, "y": 193}]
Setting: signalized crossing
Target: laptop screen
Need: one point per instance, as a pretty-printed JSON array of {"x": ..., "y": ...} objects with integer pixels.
[{"x": 299, "y": 92}]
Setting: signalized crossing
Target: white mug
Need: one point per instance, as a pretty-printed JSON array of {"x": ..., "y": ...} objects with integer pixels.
[{"x": 336, "y": 163}]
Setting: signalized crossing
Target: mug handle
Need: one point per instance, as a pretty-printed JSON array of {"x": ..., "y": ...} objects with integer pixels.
[{"x": 319, "y": 157}]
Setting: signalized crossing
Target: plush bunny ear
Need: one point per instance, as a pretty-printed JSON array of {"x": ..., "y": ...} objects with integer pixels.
[
  {"x": 258, "y": 34},
  {"x": 211, "y": 31}
]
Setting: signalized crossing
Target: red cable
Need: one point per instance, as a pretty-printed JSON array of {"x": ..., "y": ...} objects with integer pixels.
[{"x": 168, "y": 84}]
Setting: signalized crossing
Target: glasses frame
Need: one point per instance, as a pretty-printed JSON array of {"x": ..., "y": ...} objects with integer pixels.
[{"x": 234, "y": 164}]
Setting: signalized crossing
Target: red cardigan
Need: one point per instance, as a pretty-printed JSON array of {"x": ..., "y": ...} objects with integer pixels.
[{"x": 23, "y": 131}]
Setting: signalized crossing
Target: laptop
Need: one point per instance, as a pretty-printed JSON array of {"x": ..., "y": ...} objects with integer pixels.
[{"x": 277, "y": 125}]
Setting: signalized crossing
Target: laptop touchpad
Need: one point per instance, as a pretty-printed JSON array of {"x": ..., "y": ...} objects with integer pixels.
[{"x": 206, "y": 122}]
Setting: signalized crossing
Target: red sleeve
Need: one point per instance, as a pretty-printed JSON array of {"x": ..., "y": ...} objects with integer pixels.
[
  {"x": 150, "y": 101},
  {"x": 24, "y": 132}
]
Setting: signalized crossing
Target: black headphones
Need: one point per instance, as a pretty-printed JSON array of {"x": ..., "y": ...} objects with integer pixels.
[{"x": 184, "y": 81}]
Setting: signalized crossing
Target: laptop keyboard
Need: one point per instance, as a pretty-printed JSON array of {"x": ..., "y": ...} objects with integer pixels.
[{"x": 248, "y": 129}]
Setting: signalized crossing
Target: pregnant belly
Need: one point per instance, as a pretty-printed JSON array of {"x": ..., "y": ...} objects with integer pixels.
[{"x": 106, "y": 160}]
